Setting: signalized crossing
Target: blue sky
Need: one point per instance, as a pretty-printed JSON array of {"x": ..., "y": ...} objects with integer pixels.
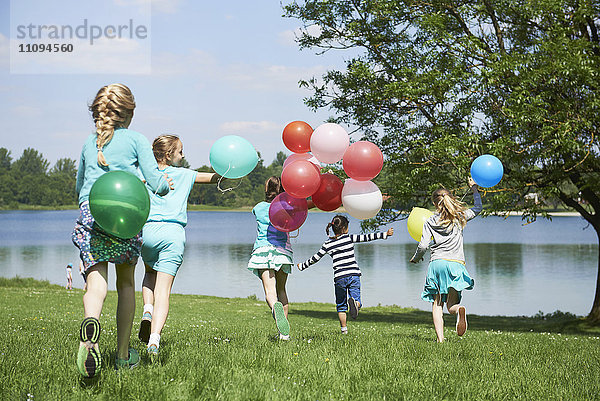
[{"x": 217, "y": 68}]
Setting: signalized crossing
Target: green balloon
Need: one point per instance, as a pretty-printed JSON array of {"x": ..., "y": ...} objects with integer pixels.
[{"x": 119, "y": 203}]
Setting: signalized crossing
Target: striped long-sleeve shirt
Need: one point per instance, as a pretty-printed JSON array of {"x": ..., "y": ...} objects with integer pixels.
[{"x": 341, "y": 249}]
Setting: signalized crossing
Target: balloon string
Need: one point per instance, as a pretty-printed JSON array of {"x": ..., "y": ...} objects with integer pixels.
[
  {"x": 223, "y": 190},
  {"x": 297, "y": 235}
]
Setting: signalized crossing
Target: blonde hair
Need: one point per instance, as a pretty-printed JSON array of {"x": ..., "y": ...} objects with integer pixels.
[
  {"x": 112, "y": 108},
  {"x": 451, "y": 210},
  {"x": 164, "y": 147}
]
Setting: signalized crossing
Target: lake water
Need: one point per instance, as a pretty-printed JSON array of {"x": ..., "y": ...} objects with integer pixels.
[{"x": 518, "y": 269}]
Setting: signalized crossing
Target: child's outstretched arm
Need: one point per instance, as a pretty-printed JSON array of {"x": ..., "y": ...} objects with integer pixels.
[
  {"x": 423, "y": 244},
  {"x": 371, "y": 236},
  {"x": 478, "y": 206},
  {"x": 313, "y": 259},
  {"x": 207, "y": 178}
]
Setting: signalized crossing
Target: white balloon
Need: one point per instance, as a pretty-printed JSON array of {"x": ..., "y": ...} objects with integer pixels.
[
  {"x": 329, "y": 142},
  {"x": 361, "y": 199}
]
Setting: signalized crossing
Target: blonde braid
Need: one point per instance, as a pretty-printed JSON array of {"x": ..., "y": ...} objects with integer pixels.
[{"x": 112, "y": 108}]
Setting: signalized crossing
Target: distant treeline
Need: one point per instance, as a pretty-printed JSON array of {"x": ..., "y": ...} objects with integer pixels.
[{"x": 29, "y": 180}]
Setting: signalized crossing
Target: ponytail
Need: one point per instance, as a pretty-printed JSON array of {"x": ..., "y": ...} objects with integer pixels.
[{"x": 451, "y": 210}]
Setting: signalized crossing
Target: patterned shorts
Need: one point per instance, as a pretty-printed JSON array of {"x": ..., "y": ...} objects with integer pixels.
[{"x": 96, "y": 246}]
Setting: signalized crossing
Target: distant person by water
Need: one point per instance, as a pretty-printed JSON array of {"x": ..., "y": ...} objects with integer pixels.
[
  {"x": 346, "y": 273},
  {"x": 164, "y": 238},
  {"x": 447, "y": 275},
  {"x": 69, "y": 285},
  {"x": 112, "y": 147}
]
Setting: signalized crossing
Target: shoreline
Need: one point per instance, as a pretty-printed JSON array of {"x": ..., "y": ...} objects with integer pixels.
[{"x": 209, "y": 208}]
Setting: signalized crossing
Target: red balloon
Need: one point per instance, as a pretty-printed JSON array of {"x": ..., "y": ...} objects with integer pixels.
[
  {"x": 329, "y": 195},
  {"x": 296, "y": 136},
  {"x": 300, "y": 179},
  {"x": 363, "y": 161}
]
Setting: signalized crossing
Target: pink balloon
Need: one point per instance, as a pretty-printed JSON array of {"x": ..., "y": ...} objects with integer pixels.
[
  {"x": 363, "y": 161},
  {"x": 329, "y": 142},
  {"x": 302, "y": 156},
  {"x": 300, "y": 179},
  {"x": 288, "y": 213}
]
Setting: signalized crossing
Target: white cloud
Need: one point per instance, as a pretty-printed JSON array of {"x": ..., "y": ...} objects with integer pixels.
[
  {"x": 196, "y": 62},
  {"x": 288, "y": 38},
  {"x": 4, "y": 52},
  {"x": 160, "y": 6},
  {"x": 253, "y": 77},
  {"x": 250, "y": 127},
  {"x": 26, "y": 111}
]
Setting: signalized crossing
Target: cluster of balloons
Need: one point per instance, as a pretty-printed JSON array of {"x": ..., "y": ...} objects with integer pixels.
[
  {"x": 301, "y": 176},
  {"x": 486, "y": 171}
]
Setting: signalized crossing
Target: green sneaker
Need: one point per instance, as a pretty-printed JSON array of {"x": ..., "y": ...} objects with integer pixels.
[
  {"x": 280, "y": 320},
  {"x": 132, "y": 362},
  {"x": 89, "y": 360}
]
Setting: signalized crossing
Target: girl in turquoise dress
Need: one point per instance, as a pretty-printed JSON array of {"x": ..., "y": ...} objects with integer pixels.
[{"x": 447, "y": 275}]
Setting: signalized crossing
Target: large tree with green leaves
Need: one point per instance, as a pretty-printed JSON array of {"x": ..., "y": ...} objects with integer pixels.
[{"x": 437, "y": 83}]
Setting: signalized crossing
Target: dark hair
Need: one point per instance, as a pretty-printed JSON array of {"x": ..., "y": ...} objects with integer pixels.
[
  {"x": 338, "y": 224},
  {"x": 273, "y": 188}
]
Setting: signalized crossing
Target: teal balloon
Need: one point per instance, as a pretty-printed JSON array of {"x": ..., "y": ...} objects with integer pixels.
[
  {"x": 119, "y": 203},
  {"x": 233, "y": 157}
]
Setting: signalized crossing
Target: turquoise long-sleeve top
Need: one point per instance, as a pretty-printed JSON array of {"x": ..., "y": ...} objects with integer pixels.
[{"x": 127, "y": 151}]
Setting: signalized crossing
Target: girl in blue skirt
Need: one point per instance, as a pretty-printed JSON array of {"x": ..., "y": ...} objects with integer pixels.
[{"x": 447, "y": 275}]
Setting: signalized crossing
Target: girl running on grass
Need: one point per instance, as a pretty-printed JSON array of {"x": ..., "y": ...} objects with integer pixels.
[
  {"x": 346, "y": 273},
  {"x": 271, "y": 259},
  {"x": 447, "y": 275},
  {"x": 112, "y": 147},
  {"x": 164, "y": 238}
]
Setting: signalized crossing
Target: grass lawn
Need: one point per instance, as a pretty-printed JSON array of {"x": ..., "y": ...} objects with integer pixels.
[{"x": 222, "y": 348}]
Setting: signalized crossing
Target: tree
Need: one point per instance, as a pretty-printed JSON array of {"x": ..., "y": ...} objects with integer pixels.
[
  {"x": 66, "y": 167},
  {"x": 5, "y": 159},
  {"x": 279, "y": 159},
  {"x": 31, "y": 162},
  {"x": 437, "y": 83}
]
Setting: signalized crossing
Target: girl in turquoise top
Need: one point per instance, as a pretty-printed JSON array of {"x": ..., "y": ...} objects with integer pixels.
[
  {"x": 111, "y": 147},
  {"x": 164, "y": 237},
  {"x": 271, "y": 258}
]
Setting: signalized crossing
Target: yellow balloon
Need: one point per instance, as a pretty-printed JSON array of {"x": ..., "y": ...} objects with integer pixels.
[{"x": 417, "y": 217}]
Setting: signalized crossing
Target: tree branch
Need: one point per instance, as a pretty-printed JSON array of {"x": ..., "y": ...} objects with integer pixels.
[{"x": 497, "y": 28}]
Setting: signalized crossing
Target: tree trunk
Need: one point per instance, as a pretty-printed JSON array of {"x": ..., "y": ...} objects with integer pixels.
[{"x": 594, "y": 315}]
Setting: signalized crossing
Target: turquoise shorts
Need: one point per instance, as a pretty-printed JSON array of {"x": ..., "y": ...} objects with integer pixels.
[{"x": 163, "y": 245}]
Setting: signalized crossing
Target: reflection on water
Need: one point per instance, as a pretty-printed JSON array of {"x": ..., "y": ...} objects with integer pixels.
[{"x": 544, "y": 271}]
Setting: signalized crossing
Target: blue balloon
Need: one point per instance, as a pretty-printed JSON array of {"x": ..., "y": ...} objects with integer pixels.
[
  {"x": 233, "y": 157},
  {"x": 487, "y": 171}
]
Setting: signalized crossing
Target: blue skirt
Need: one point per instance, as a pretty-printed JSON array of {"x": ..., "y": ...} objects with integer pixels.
[{"x": 443, "y": 274}]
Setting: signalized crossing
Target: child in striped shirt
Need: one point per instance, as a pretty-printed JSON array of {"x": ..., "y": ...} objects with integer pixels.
[{"x": 346, "y": 273}]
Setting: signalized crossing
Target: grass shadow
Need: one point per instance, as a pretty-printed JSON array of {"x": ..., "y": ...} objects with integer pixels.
[{"x": 553, "y": 323}]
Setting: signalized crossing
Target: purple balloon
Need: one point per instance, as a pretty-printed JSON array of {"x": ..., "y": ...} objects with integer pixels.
[{"x": 288, "y": 213}]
